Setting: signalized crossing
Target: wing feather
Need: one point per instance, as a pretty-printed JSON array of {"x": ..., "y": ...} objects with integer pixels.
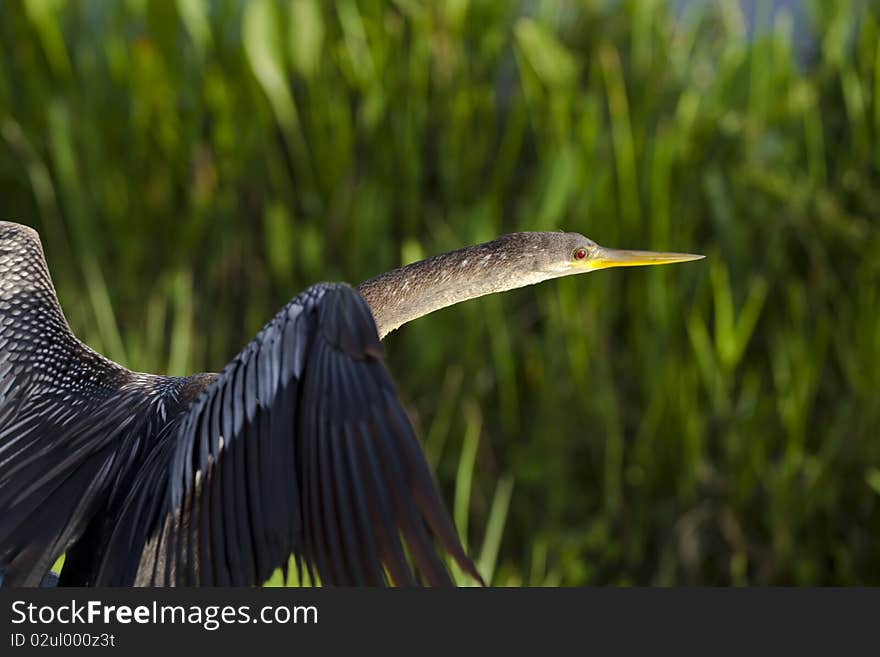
[{"x": 300, "y": 446}]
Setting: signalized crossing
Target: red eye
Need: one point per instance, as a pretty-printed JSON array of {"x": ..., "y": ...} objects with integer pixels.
[{"x": 580, "y": 254}]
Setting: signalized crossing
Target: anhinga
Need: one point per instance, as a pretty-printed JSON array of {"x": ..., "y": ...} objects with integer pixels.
[{"x": 299, "y": 446}]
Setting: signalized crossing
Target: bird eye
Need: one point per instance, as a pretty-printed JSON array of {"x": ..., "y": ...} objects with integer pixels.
[{"x": 580, "y": 254}]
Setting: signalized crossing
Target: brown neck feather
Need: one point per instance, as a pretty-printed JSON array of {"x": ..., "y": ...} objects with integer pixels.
[{"x": 407, "y": 293}]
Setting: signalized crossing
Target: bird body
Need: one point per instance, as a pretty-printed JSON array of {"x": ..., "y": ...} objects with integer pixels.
[
  {"x": 207, "y": 479},
  {"x": 298, "y": 446}
]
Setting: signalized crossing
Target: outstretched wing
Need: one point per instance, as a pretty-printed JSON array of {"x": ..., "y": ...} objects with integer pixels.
[
  {"x": 64, "y": 412},
  {"x": 300, "y": 446}
]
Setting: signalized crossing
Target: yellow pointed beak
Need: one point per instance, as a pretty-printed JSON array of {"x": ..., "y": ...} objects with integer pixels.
[{"x": 603, "y": 258}]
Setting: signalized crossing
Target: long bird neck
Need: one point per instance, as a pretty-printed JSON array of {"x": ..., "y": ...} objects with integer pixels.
[{"x": 407, "y": 293}]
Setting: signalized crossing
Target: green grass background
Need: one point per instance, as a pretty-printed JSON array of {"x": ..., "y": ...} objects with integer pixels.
[{"x": 192, "y": 165}]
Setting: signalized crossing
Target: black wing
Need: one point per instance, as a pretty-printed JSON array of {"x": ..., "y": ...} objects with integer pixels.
[
  {"x": 300, "y": 446},
  {"x": 64, "y": 413}
]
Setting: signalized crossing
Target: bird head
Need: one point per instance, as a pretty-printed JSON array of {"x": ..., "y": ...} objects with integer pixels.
[{"x": 564, "y": 254}]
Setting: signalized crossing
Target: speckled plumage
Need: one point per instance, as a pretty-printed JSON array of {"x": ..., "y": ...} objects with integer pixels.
[
  {"x": 299, "y": 446},
  {"x": 510, "y": 261}
]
